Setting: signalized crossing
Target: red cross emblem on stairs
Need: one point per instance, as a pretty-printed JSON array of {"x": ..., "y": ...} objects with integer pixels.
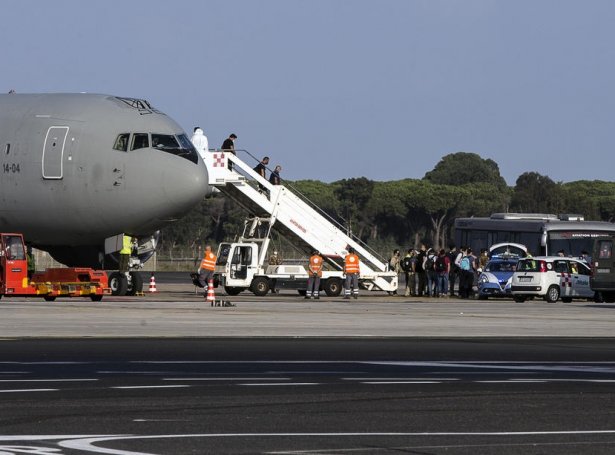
[{"x": 218, "y": 159}]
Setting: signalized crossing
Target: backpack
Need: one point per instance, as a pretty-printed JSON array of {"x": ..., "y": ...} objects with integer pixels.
[
  {"x": 440, "y": 265},
  {"x": 465, "y": 263},
  {"x": 406, "y": 264},
  {"x": 429, "y": 262}
]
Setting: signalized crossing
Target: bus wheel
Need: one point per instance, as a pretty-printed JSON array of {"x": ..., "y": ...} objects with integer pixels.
[{"x": 552, "y": 294}]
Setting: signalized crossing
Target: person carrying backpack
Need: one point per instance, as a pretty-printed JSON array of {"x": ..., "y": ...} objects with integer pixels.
[
  {"x": 420, "y": 270},
  {"x": 408, "y": 265},
  {"x": 395, "y": 265},
  {"x": 466, "y": 270},
  {"x": 430, "y": 271},
  {"x": 443, "y": 267},
  {"x": 454, "y": 256}
]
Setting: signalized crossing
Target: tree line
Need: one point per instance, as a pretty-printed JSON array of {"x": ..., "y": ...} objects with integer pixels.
[{"x": 403, "y": 213}]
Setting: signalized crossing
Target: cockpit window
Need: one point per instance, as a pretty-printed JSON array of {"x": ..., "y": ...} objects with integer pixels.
[
  {"x": 121, "y": 142},
  {"x": 164, "y": 141},
  {"x": 180, "y": 146},
  {"x": 139, "y": 141}
]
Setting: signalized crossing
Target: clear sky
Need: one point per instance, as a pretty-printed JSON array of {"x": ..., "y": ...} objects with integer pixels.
[{"x": 334, "y": 89}]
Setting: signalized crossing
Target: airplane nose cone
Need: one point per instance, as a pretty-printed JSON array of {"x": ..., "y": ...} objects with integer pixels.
[{"x": 184, "y": 187}]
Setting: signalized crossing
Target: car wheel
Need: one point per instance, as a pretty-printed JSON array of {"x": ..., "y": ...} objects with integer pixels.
[
  {"x": 519, "y": 298},
  {"x": 552, "y": 294}
]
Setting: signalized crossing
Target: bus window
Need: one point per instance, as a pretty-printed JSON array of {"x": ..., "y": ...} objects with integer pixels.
[{"x": 606, "y": 249}]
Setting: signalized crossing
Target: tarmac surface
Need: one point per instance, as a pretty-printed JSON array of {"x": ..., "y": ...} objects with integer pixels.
[{"x": 177, "y": 309}]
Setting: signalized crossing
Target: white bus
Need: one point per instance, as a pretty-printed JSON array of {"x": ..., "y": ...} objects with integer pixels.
[{"x": 542, "y": 234}]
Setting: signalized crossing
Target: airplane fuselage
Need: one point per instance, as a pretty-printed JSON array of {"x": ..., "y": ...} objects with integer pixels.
[{"x": 78, "y": 168}]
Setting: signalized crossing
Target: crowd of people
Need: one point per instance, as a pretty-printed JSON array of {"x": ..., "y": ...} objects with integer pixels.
[{"x": 432, "y": 273}]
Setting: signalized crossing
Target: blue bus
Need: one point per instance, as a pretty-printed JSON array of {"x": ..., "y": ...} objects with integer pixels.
[{"x": 542, "y": 234}]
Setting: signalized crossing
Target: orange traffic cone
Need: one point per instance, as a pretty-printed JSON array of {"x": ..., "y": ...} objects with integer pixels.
[
  {"x": 152, "y": 284},
  {"x": 211, "y": 296}
]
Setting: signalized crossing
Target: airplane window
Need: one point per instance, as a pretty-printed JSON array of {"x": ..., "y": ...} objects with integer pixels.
[
  {"x": 164, "y": 141},
  {"x": 171, "y": 144},
  {"x": 139, "y": 141},
  {"x": 121, "y": 142}
]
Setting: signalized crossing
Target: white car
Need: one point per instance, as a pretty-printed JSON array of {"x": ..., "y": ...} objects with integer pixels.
[{"x": 552, "y": 278}]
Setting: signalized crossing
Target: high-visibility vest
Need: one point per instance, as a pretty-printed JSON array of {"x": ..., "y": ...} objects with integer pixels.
[
  {"x": 209, "y": 262},
  {"x": 351, "y": 263},
  {"x": 316, "y": 264},
  {"x": 126, "y": 245}
]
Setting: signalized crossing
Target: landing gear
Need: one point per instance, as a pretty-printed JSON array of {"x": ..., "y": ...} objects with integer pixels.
[
  {"x": 135, "y": 285},
  {"x": 122, "y": 285},
  {"x": 118, "y": 283}
]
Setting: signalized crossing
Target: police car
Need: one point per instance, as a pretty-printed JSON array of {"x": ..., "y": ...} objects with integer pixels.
[
  {"x": 495, "y": 279},
  {"x": 552, "y": 278}
]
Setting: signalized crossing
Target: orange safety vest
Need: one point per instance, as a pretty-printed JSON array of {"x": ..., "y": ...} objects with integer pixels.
[
  {"x": 351, "y": 263},
  {"x": 316, "y": 265},
  {"x": 209, "y": 262}
]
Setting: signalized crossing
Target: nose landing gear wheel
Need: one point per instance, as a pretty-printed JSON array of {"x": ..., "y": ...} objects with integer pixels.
[{"x": 118, "y": 283}]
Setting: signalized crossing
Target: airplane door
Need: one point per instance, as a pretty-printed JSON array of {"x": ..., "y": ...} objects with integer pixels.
[{"x": 53, "y": 152}]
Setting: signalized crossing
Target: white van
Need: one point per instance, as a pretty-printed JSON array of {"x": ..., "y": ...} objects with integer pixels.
[{"x": 552, "y": 277}]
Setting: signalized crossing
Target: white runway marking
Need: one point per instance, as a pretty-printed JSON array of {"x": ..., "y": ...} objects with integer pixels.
[
  {"x": 275, "y": 384},
  {"x": 227, "y": 379},
  {"x": 47, "y": 380},
  {"x": 86, "y": 444},
  {"x": 173, "y": 386},
  {"x": 28, "y": 390},
  {"x": 400, "y": 382}
]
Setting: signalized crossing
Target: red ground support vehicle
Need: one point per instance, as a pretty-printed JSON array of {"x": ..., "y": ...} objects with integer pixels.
[{"x": 52, "y": 283}]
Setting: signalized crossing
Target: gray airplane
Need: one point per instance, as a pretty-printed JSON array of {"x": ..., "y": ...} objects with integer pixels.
[{"x": 78, "y": 169}]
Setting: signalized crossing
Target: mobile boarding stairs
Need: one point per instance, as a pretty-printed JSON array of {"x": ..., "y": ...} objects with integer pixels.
[{"x": 307, "y": 227}]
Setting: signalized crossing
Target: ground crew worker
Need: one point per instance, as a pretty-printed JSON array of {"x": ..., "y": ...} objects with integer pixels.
[
  {"x": 315, "y": 272},
  {"x": 275, "y": 258},
  {"x": 31, "y": 262},
  {"x": 351, "y": 269},
  {"x": 125, "y": 253},
  {"x": 206, "y": 269}
]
